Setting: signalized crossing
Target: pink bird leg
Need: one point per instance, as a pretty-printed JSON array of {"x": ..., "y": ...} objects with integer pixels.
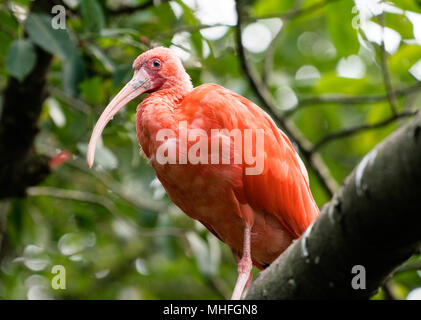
[{"x": 244, "y": 266}]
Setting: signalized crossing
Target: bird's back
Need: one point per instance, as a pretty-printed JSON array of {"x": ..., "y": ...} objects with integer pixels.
[{"x": 282, "y": 189}]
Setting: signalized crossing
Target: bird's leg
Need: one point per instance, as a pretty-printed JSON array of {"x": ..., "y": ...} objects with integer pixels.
[
  {"x": 248, "y": 282},
  {"x": 244, "y": 266}
]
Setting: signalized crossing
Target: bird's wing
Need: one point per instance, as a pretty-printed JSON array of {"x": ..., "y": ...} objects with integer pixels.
[{"x": 282, "y": 189}]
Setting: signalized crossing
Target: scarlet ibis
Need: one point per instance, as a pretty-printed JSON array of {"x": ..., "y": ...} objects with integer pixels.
[{"x": 256, "y": 215}]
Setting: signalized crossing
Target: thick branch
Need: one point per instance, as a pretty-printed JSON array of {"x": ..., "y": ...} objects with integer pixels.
[{"x": 373, "y": 220}]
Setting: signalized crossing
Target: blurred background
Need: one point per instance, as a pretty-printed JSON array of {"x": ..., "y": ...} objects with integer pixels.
[{"x": 345, "y": 73}]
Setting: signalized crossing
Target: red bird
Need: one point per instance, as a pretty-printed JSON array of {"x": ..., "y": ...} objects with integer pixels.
[{"x": 257, "y": 215}]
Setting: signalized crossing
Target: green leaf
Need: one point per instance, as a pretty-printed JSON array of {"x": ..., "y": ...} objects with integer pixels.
[
  {"x": 195, "y": 36},
  {"x": 20, "y": 59},
  {"x": 404, "y": 59},
  {"x": 344, "y": 36},
  {"x": 55, "y": 41},
  {"x": 268, "y": 7},
  {"x": 92, "y": 91},
  {"x": 413, "y": 5},
  {"x": 332, "y": 83},
  {"x": 72, "y": 74},
  {"x": 399, "y": 23},
  {"x": 122, "y": 74},
  {"x": 93, "y": 17},
  {"x": 108, "y": 64}
]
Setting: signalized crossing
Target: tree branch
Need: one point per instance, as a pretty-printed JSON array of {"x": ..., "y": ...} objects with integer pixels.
[{"x": 373, "y": 221}]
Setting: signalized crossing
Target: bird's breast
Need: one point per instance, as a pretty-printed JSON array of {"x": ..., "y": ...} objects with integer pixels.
[{"x": 208, "y": 196}]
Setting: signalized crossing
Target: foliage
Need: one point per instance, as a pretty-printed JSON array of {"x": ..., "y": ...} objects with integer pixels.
[{"x": 113, "y": 228}]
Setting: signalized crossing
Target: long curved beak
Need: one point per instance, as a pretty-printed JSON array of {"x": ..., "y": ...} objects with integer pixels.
[{"x": 139, "y": 84}]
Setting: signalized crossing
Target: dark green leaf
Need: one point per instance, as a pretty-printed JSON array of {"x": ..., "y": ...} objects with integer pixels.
[
  {"x": 413, "y": 5},
  {"x": 20, "y": 58},
  {"x": 55, "y": 41},
  {"x": 343, "y": 34},
  {"x": 72, "y": 74},
  {"x": 92, "y": 91},
  {"x": 122, "y": 74},
  {"x": 400, "y": 23},
  {"x": 93, "y": 17}
]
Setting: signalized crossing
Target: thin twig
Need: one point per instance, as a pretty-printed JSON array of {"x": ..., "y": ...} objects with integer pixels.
[
  {"x": 270, "y": 53},
  {"x": 414, "y": 265},
  {"x": 360, "y": 128},
  {"x": 142, "y": 6},
  {"x": 4, "y": 211},
  {"x": 347, "y": 100},
  {"x": 138, "y": 201},
  {"x": 74, "y": 103},
  {"x": 191, "y": 28},
  {"x": 388, "y": 291},
  {"x": 285, "y": 16},
  {"x": 385, "y": 71},
  {"x": 218, "y": 286},
  {"x": 8, "y": 30},
  {"x": 262, "y": 92},
  {"x": 103, "y": 201},
  {"x": 294, "y": 12}
]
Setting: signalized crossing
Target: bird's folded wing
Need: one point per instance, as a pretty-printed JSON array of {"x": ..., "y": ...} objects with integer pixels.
[{"x": 282, "y": 189}]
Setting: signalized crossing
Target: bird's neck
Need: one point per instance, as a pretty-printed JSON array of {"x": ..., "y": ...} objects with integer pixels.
[
  {"x": 157, "y": 111},
  {"x": 171, "y": 93}
]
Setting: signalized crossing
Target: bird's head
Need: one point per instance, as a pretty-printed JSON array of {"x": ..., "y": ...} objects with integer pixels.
[
  {"x": 155, "y": 69},
  {"x": 162, "y": 68}
]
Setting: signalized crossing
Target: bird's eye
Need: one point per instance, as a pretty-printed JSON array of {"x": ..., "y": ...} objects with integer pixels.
[{"x": 156, "y": 63}]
